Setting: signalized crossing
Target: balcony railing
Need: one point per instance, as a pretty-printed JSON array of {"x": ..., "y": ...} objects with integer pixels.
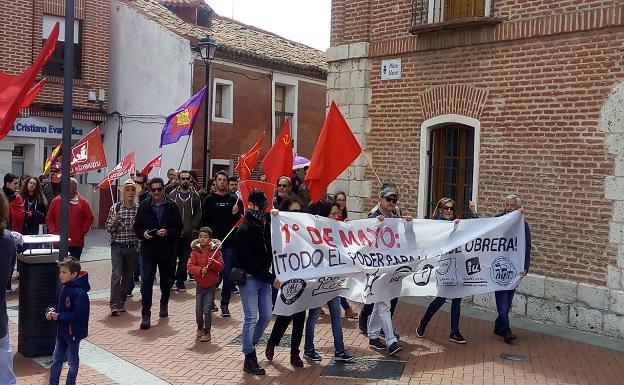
[{"x": 431, "y": 15}]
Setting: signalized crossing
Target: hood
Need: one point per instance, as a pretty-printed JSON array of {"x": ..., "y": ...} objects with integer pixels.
[{"x": 81, "y": 281}]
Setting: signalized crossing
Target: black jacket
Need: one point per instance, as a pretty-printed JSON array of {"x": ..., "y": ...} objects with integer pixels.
[
  {"x": 146, "y": 219},
  {"x": 7, "y": 253},
  {"x": 253, "y": 249},
  {"x": 217, "y": 214}
]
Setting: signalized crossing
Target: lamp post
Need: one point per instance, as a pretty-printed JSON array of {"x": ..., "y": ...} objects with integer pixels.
[{"x": 207, "y": 48}]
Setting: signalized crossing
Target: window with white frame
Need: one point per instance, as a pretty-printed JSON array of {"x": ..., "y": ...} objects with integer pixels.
[
  {"x": 54, "y": 65},
  {"x": 217, "y": 165},
  {"x": 284, "y": 108},
  {"x": 449, "y": 10},
  {"x": 222, "y": 101}
]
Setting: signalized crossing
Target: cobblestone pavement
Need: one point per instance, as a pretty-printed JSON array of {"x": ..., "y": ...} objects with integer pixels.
[{"x": 116, "y": 351}]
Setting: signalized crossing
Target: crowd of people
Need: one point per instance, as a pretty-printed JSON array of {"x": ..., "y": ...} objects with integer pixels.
[{"x": 206, "y": 235}]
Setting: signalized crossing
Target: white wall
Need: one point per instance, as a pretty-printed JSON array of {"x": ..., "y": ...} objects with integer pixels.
[{"x": 150, "y": 74}]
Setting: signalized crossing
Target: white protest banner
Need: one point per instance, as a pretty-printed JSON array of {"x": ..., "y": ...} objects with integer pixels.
[{"x": 369, "y": 261}]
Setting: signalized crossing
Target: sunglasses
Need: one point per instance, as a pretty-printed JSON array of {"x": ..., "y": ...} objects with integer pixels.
[
  {"x": 392, "y": 200},
  {"x": 157, "y": 189},
  {"x": 283, "y": 185},
  {"x": 451, "y": 208},
  {"x": 185, "y": 178}
]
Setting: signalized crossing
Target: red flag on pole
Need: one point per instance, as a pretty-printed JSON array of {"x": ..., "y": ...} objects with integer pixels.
[
  {"x": 156, "y": 162},
  {"x": 32, "y": 94},
  {"x": 249, "y": 185},
  {"x": 88, "y": 154},
  {"x": 14, "y": 89},
  {"x": 335, "y": 150},
  {"x": 279, "y": 160},
  {"x": 127, "y": 164},
  {"x": 247, "y": 161}
]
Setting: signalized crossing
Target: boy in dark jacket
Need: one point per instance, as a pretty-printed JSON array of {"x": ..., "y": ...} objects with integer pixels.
[{"x": 72, "y": 315}]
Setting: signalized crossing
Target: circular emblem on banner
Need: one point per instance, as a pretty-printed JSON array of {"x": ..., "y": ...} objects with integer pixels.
[
  {"x": 292, "y": 290},
  {"x": 502, "y": 271}
]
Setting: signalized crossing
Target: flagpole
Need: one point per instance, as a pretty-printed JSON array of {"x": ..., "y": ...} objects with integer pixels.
[
  {"x": 183, "y": 153},
  {"x": 372, "y": 168}
]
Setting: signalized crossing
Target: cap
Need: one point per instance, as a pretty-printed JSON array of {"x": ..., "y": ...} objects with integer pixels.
[
  {"x": 388, "y": 190},
  {"x": 258, "y": 198}
]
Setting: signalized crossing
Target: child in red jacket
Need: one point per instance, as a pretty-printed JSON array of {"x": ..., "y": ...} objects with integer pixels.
[{"x": 205, "y": 264}]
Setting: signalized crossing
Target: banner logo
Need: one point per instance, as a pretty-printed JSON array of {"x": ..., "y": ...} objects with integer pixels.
[
  {"x": 502, "y": 271},
  {"x": 291, "y": 290},
  {"x": 473, "y": 266},
  {"x": 329, "y": 284},
  {"x": 422, "y": 277},
  {"x": 80, "y": 154},
  {"x": 447, "y": 272}
]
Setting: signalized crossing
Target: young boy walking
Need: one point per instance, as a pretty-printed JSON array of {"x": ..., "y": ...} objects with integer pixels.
[
  {"x": 72, "y": 315},
  {"x": 205, "y": 264}
]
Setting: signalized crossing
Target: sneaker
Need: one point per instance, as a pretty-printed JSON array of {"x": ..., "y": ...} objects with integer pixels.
[
  {"x": 235, "y": 290},
  {"x": 164, "y": 311},
  {"x": 181, "y": 287},
  {"x": 200, "y": 333},
  {"x": 509, "y": 337},
  {"x": 457, "y": 338},
  {"x": 420, "y": 330},
  {"x": 206, "y": 337},
  {"x": 394, "y": 348},
  {"x": 312, "y": 355},
  {"x": 344, "y": 356},
  {"x": 225, "y": 312},
  {"x": 191, "y": 278},
  {"x": 145, "y": 323},
  {"x": 215, "y": 308},
  {"x": 350, "y": 314},
  {"x": 122, "y": 308},
  {"x": 114, "y": 311},
  {"x": 376, "y": 344}
]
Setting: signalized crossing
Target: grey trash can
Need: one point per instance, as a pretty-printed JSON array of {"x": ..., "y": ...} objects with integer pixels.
[{"x": 38, "y": 285}]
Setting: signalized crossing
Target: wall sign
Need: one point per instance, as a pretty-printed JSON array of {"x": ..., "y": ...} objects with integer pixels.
[
  {"x": 38, "y": 127},
  {"x": 391, "y": 69}
]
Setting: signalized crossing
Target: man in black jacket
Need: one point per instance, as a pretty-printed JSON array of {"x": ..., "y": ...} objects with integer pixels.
[
  {"x": 158, "y": 224},
  {"x": 253, "y": 250},
  {"x": 220, "y": 212}
]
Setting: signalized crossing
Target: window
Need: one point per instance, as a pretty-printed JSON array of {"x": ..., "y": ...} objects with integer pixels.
[
  {"x": 281, "y": 115},
  {"x": 217, "y": 165},
  {"x": 285, "y": 105},
  {"x": 451, "y": 166},
  {"x": 55, "y": 65},
  {"x": 449, "y": 10},
  {"x": 222, "y": 101}
]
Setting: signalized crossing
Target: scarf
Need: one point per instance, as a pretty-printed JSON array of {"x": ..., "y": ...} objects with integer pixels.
[{"x": 256, "y": 216}]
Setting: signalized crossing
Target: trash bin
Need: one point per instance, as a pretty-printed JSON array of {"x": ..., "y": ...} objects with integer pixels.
[{"x": 38, "y": 282}]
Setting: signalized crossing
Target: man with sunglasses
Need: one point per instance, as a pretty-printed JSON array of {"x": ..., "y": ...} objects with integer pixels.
[
  {"x": 158, "y": 224},
  {"x": 386, "y": 208},
  {"x": 189, "y": 205}
]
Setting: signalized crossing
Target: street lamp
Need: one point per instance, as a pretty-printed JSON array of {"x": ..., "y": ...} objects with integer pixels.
[{"x": 207, "y": 48}]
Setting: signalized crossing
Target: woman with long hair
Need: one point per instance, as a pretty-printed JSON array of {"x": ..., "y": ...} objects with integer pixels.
[
  {"x": 444, "y": 210},
  {"x": 340, "y": 199},
  {"x": 35, "y": 205}
]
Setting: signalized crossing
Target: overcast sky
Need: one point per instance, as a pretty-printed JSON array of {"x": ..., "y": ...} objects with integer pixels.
[{"x": 304, "y": 21}]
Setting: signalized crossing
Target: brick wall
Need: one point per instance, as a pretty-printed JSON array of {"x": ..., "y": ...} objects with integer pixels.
[
  {"x": 354, "y": 20},
  {"x": 22, "y": 23}
]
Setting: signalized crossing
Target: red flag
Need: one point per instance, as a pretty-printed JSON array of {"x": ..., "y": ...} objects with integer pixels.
[
  {"x": 32, "y": 94},
  {"x": 249, "y": 185},
  {"x": 247, "y": 161},
  {"x": 127, "y": 164},
  {"x": 156, "y": 162},
  {"x": 13, "y": 89},
  {"x": 335, "y": 150},
  {"x": 88, "y": 153},
  {"x": 279, "y": 160}
]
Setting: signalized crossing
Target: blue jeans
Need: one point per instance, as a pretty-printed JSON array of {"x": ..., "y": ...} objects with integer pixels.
[
  {"x": 65, "y": 348},
  {"x": 6, "y": 362},
  {"x": 336, "y": 324},
  {"x": 228, "y": 263},
  {"x": 147, "y": 285},
  {"x": 504, "y": 299},
  {"x": 344, "y": 303},
  {"x": 256, "y": 299},
  {"x": 436, "y": 304}
]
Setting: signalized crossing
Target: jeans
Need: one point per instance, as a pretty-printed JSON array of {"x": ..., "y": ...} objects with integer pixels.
[
  {"x": 436, "y": 304},
  {"x": 504, "y": 299},
  {"x": 228, "y": 263},
  {"x": 344, "y": 303},
  {"x": 147, "y": 285},
  {"x": 336, "y": 325},
  {"x": 204, "y": 298},
  {"x": 75, "y": 251},
  {"x": 280, "y": 326},
  {"x": 256, "y": 299},
  {"x": 65, "y": 348},
  {"x": 138, "y": 273},
  {"x": 183, "y": 251},
  {"x": 367, "y": 310},
  {"x": 6, "y": 362},
  {"x": 381, "y": 318},
  {"x": 123, "y": 261}
]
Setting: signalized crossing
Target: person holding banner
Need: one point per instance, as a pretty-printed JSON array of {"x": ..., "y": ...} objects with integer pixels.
[
  {"x": 283, "y": 191},
  {"x": 80, "y": 218},
  {"x": 504, "y": 298},
  {"x": 253, "y": 250},
  {"x": 330, "y": 210},
  {"x": 444, "y": 210}
]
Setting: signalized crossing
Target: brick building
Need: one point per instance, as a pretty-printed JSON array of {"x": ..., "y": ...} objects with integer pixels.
[
  {"x": 258, "y": 79},
  {"x": 477, "y": 99},
  {"x": 25, "y": 26}
]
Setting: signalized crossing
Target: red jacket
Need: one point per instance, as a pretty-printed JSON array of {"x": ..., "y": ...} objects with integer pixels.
[
  {"x": 199, "y": 258},
  {"x": 80, "y": 220},
  {"x": 16, "y": 214}
]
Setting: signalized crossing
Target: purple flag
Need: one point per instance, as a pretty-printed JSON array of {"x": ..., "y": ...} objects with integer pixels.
[{"x": 180, "y": 123}]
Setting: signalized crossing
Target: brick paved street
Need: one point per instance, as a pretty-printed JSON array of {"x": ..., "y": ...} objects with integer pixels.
[{"x": 171, "y": 354}]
